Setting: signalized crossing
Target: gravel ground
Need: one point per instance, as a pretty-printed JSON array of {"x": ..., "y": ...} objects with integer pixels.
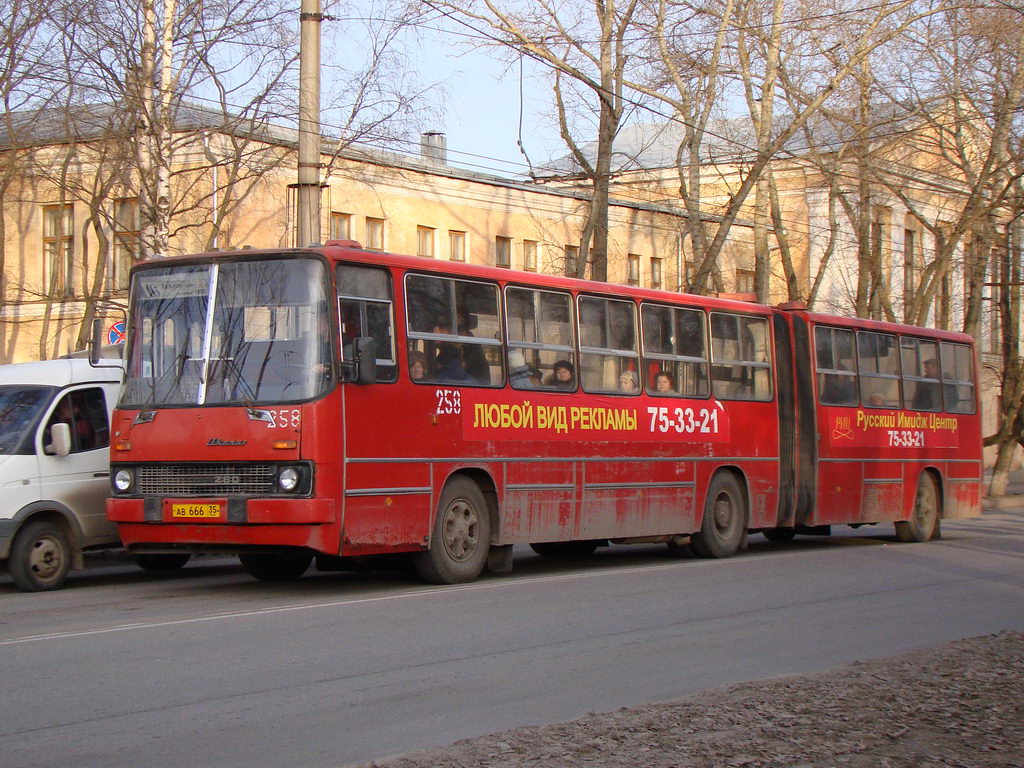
[{"x": 960, "y": 704}]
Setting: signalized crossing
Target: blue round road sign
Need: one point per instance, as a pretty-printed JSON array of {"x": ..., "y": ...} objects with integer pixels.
[{"x": 115, "y": 333}]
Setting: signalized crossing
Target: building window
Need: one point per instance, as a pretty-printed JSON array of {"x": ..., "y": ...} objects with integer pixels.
[
  {"x": 456, "y": 245},
  {"x": 425, "y": 241},
  {"x": 744, "y": 281},
  {"x": 530, "y": 255},
  {"x": 572, "y": 259},
  {"x": 58, "y": 249},
  {"x": 126, "y": 239},
  {"x": 341, "y": 226},
  {"x": 633, "y": 269},
  {"x": 655, "y": 272},
  {"x": 375, "y": 233},
  {"x": 503, "y": 252}
]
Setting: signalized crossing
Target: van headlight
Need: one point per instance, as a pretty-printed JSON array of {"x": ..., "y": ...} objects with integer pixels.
[
  {"x": 123, "y": 480},
  {"x": 288, "y": 479}
]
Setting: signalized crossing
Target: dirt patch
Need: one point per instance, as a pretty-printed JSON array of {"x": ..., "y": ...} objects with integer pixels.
[{"x": 960, "y": 704}]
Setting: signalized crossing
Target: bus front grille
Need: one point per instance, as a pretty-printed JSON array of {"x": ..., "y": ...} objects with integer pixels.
[{"x": 206, "y": 480}]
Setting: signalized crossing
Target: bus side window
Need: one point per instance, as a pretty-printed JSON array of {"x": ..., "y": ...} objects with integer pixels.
[
  {"x": 836, "y": 366},
  {"x": 454, "y": 328},
  {"x": 365, "y": 308},
  {"x": 878, "y": 356},
  {"x": 675, "y": 351},
  {"x": 957, "y": 377},
  {"x": 608, "y": 349},
  {"x": 740, "y": 367},
  {"x": 540, "y": 339}
]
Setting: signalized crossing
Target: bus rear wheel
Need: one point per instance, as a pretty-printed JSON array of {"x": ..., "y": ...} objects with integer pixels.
[
  {"x": 925, "y": 519},
  {"x": 275, "y": 566},
  {"x": 725, "y": 518},
  {"x": 461, "y": 536}
]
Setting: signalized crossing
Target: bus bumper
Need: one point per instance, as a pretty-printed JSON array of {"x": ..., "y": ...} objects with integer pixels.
[
  {"x": 233, "y": 511},
  {"x": 145, "y": 524}
]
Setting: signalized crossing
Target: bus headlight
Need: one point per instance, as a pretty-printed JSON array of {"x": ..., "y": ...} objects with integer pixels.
[
  {"x": 288, "y": 479},
  {"x": 123, "y": 480}
]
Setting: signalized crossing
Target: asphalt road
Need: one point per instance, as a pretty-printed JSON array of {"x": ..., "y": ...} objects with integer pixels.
[{"x": 210, "y": 668}]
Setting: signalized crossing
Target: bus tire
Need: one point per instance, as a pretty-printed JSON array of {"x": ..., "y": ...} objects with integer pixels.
[
  {"x": 40, "y": 558},
  {"x": 161, "y": 562},
  {"x": 275, "y": 566},
  {"x": 725, "y": 519},
  {"x": 461, "y": 536},
  {"x": 582, "y": 548},
  {"x": 924, "y": 521}
]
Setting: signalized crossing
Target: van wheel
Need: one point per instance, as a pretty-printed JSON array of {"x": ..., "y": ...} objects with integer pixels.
[
  {"x": 40, "y": 558},
  {"x": 461, "y": 536},
  {"x": 276, "y": 566},
  {"x": 167, "y": 562},
  {"x": 925, "y": 519},
  {"x": 725, "y": 519}
]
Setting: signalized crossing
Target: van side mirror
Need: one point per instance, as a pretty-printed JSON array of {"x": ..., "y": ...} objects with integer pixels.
[
  {"x": 96, "y": 342},
  {"x": 366, "y": 360},
  {"x": 60, "y": 438}
]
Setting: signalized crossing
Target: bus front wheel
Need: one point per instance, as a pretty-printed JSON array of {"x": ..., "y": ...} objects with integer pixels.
[
  {"x": 274, "y": 566},
  {"x": 725, "y": 519},
  {"x": 461, "y": 536},
  {"x": 924, "y": 521}
]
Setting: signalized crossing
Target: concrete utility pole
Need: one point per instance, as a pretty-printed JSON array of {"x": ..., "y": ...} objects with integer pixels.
[{"x": 308, "y": 187}]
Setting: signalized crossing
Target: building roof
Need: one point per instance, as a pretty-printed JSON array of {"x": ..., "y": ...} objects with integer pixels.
[
  {"x": 42, "y": 127},
  {"x": 654, "y": 146}
]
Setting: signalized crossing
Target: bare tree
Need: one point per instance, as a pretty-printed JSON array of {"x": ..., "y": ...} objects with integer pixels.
[
  {"x": 588, "y": 47},
  {"x": 26, "y": 84}
]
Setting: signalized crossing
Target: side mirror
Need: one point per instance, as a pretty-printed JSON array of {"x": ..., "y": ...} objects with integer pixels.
[
  {"x": 60, "y": 438},
  {"x": 366, "y": 360},
  {"x": 96, "y": 343}
]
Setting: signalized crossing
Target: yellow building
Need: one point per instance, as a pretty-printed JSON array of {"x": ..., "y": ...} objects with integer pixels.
[{"x": 72, "y": 223}]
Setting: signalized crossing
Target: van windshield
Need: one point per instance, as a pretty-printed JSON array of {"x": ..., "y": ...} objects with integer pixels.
[
  {"x": 20, "y": 409},
  {"x": 231, "y": 332}
]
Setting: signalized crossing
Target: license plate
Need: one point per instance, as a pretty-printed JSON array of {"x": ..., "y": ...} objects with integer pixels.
[{"x": 195, "y": 511}]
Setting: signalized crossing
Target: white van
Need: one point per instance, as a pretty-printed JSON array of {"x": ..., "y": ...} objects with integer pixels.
[{"x": 55, "y": 468}]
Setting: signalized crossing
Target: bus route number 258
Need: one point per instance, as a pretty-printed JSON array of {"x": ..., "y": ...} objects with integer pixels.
[
  {"x": 449, "y": 401},
  {"x": 684, "y": 420}
]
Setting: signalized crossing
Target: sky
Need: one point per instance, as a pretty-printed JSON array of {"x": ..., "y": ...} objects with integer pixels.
[
  {"x": 489, "y": 108},
  {"x": 487, "y": 113}
]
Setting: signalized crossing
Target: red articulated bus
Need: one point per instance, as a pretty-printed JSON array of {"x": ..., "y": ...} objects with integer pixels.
[{"x": 338, "y": 403}]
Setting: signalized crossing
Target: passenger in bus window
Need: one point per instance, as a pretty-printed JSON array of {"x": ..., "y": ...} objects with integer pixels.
[
  {"x": 877, "y": 400},
  {"x": 473, "y": 359},
  {"x": 628, "y": 382},
  {"x": 663, "y": 383},
  {"x": 417, "y": 365},
  {"x": 520, "y": 375},
  {"x": 448, "y": 365},
  {"x": 563, "y": 375},
  {"x": 926, "y": 393}
]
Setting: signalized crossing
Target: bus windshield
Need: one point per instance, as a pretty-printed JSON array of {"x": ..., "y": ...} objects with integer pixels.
[
  {"x": 237, "y": 332},
  {"x": 20, "y": 408}
]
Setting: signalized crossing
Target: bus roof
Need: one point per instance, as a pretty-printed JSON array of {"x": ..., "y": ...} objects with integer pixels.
[
  {"x": 347, "y": 250},
  {"x": 350, "y": 250}
]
